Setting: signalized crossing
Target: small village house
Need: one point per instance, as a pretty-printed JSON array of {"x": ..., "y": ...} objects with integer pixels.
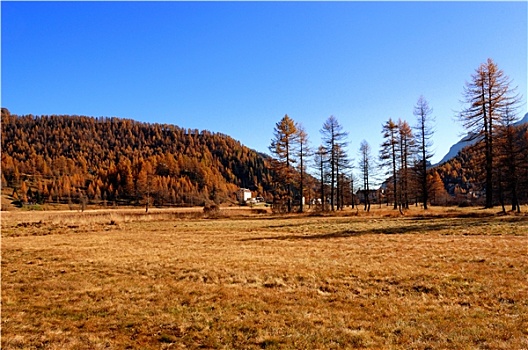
[{"x": 243, "y": 195}]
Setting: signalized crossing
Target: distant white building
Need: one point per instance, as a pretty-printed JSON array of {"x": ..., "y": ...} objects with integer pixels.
[
  {"x": 315, "y": 201},
  {"x": 243, "y": 195}
]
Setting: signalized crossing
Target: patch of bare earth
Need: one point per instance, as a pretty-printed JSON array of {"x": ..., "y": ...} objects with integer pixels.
[{"x": 310, "y": 282}]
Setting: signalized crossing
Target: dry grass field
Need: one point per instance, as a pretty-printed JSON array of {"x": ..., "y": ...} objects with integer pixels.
[{"x": 448, "y": 279}]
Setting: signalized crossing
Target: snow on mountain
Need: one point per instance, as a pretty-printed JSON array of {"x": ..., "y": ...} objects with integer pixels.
[
  {"x": 469, "y": 140},
  {"x": 523, "y": 120}
]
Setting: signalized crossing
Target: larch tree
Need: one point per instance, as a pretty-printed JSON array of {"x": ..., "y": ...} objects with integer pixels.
[
  {"x": 406, "y": 148},
  {"x": 334, "y": 138},
  {"x": 487, "y": 95},
  {"x": 388, "y": 154},
  {"x": 283, "y": 148},
  {"x": 353, "y": 180},
  {"x": 510, "y": 158},
  {"x": 524, "y": 165},
  {"x": 320, "y": 160},
  {"x": 342, "y": 164},
  {"x": 303, "y": 151},
  {"x": 23, "y": 192},
  {"x": 436, "y": 190},
  {"x": 365, "y": 167},
  {"x": 423, "y": 135}
]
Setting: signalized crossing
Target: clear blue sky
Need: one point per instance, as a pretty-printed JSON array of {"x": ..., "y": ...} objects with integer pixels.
[{"x": 239, "y": 67}]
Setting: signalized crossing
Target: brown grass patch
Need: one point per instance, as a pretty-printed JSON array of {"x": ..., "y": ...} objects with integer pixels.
[{"x": 168, "y": 281}]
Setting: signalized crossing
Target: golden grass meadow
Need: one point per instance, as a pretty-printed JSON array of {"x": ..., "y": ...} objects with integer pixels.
[{"x": 445, "y": 279}]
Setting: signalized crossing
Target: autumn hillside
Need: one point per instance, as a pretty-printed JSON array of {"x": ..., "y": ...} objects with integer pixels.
[
  {"x": 74, "y": 159},
  {"x": 463, "y": 175}
]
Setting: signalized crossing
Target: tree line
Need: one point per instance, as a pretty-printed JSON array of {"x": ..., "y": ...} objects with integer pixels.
[
  {"x": 495, "y": 170},
  {"x": 107, "y": 161},
  {"x": 77, "y": 159},
  {"x": 334, "y": 181}
]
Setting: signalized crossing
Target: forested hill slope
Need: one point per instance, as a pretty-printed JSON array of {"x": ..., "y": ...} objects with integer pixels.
[
  {"x": 464, "y": 176},
  {"x": 470, "y": 140},
  {"x": 71, "y": 158}
]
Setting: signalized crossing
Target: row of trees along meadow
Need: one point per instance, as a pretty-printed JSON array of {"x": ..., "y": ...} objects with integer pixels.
[
  {"x": 408, "y": 178},
  {"x": 73, "y": 159},
  {"x": 291, "y": 182},
  {"x": 334, "y": 185},
  {"x": 113, "y": 161}
]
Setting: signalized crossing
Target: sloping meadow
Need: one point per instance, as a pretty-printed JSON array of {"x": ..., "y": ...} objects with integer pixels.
[{"x": 423, "y": 282}]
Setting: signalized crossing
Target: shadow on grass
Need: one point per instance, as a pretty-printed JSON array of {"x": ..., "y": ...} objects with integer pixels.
[{"x": 421, "y": 225}]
